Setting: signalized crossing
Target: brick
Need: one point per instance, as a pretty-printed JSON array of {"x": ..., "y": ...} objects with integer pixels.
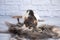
[
  {"x": 43, "y": 13},
  {"x": 55, "y": 13},
  {"x": 2, "y": 10},
  {"x": 54, "y": 7},
  {"x": 13, "y": 2},
  {"x": 2, "y": 13},
  {"x": 26, "y": 2},
  {"x": 11, "y": 7},
  {"x": 12, "y": 13},
  {"x": 2, "y": 7},
  {"x": 49, "y": 13},
  {"x": 55, "y": 2},
  {"x": 40, "y": 2},
  {"x": 43, "y": 7},
  {"x": 2, "y": 2},
  {"x": 27, "y": 7},
  {"x": 49, "y": 7},
  {"x": 19, "y": 13}
]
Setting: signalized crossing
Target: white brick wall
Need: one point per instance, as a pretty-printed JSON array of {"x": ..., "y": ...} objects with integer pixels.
[{"x": 18, "y": 7}]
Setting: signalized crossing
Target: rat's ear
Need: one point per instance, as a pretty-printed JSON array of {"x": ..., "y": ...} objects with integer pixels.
[{"x": 25, "y": 15}]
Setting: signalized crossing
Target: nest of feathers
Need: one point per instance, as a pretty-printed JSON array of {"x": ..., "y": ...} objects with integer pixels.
[{"x": 44, "y": 31}]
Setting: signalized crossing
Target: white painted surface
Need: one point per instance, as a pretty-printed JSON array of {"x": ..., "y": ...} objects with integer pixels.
[{"x": 18, "y": 7}]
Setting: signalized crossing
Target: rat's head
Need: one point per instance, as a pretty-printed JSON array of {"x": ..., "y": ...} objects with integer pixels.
[{"x": 30, "y": 12}]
